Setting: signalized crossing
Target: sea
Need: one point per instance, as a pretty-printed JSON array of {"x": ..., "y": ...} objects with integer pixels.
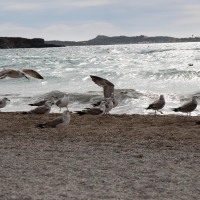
[{"x": 140, "y": 73}]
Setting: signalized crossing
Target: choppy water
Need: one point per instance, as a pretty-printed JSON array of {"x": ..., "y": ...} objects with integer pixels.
[{"x": 141, "y": 71}]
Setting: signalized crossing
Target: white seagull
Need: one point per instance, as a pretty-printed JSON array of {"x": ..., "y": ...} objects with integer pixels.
[
  {"x": 158, "y": 104},
  {"x": 58, "y": 122},
  {"x": 63, "y": 102},
  {"x": 187, "y": 107},
  {"x": 3, "y": 102},
  {"x": 12, "y": 73}
]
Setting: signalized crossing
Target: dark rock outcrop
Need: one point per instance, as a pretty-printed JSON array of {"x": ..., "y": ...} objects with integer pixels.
[{"x": 18, "y": 42}]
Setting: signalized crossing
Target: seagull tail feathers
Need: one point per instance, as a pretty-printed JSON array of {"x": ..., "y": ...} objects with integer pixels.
[
  {"x": 149, "y": 107},
  {"x": 80, "y": 113},
  {"x": 24, "y": 112},
  {"x": 175, "y": 109}
]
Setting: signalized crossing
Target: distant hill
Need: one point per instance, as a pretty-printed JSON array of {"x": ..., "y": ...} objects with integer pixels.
[
  {"x": 105, "y": 40},
  {"x": 18, "y": 42}
]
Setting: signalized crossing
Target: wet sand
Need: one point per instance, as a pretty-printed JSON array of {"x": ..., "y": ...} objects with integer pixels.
[{"x": 107, "y": 157}]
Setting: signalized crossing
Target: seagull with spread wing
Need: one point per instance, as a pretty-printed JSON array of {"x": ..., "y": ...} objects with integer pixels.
[
  {"x": 108, "y": 87},
  {"x": 12, "y": 73},
  {"x": 108, "y": 90}
]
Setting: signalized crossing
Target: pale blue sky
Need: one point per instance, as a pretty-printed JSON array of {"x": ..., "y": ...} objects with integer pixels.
[{"x": 85, "y": 19}]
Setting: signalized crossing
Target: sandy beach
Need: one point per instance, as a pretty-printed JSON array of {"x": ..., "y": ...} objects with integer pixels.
[{"x": 109, "y": 157}]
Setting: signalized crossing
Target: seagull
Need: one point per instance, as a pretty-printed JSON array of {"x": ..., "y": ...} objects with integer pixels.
[
  {"x": 158, "y": 104},
  {"x": 93, "y": 111},
  {"x": 108, "y": 87},
  {"x": 63, "y": 102},
  {"x": 12, "y": 73},
  {"x": 109, "y": 105},
  {"x": 57, "y": 122},
  {"x": 187, "y": 107},
  {"x": 39, "y": 103},
  {"x": 46, "y": 108},
  {"x": 42, "y": 102},
  {"x": 3, "y": 102},
  {"x": 114, "y": 100}
]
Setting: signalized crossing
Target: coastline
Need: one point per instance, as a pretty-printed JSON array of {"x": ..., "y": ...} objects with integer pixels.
[{"x": 106, "y": 157}]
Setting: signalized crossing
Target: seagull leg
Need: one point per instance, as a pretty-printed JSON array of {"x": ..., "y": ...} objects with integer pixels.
[
  {"x": 26, "y": 77},
  {"x": 161, "y": 112}
]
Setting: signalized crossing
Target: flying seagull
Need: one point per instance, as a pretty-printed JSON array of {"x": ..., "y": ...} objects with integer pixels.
[
  {"x": 63, "y": 102},
  {"x": 57, "y": 122},
  {"x": 157, "y": 105},
  {"x": 187, "y": 107},
  {"x": 3, "y": 102},
  {"x": 46, "y": 108},
  {"x": 108, "y": 87},
  {"x": 12, "y": 73}
]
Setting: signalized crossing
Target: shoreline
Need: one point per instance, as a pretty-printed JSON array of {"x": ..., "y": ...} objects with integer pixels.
[{"x": 105, "y": 157}]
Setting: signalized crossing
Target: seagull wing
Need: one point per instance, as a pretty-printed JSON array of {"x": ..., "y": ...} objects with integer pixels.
[
  {"x": 40, "y": 110},
  {"x": 53, "y": 123},
  {"x": 188, "y": 107},
  {"x": 108, "y": 87},
  {"x": 32, "y": 73},
  {"x": 38, "y": 103},
  {"x": 94, "y": 111},
  {"x": 7, "y": 72}
]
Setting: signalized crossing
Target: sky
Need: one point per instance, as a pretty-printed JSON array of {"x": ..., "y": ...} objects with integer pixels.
[{"x": 79, "y": 20}]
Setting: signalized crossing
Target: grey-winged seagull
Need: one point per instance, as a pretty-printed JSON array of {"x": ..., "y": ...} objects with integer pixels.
[
  {"x": 51, "y": 96},
  {"x": 63, "y": 102},
  {"x": 3, "y": 102},
  {"x": 93, "y": 111},
  {"x": 158, "y": 104},
  {"x": 58, "y": 122},
  {"x": 44, "y": 109},
  {"x": 12, "y": 73},
  {"x": 114, "y": 100},
  {"x": 41, "y": 102},
  {"x": 187, "y": 107}
]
